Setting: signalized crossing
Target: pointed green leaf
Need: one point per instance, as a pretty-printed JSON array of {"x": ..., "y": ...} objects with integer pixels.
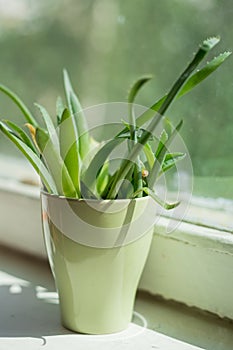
[
  {"x": 49, "y": 126},
  {"x": 167, "y": 126},
  {"x": 136, "y": 87},
  {"x": 165, "y": 205},
  {"x": 86, "y": 192},
  {"x": 59, "y": 109},
  {"x": 160, "y": 155},
  {"x": 102, "y": 178},
  {"x": 156, "y": 198},
  {"x": 137, "y": 148},
  {"x": 55, "y": 164},
  {"x": 22, "y": 134},
  {"x": 209, "y": 43},
  {"x": 170, "y": 161},
  {"x": 33, "y": 159},
  {"x": 90, "y": 175},
  {"x": 131, "y": 97},
  {"x": 29, "y": 117},
  {"x": 149, "y": 155},
  {"x": 138, "y": 184},
  {"x": 162, "y": 140},
  {"x": 193, "y": 81},
  {"x": 202, "y": 74},
  {"x": 173, "y": 156},
  {"x": 69, "y": 147},
  {"x": 76, "y": 109}
]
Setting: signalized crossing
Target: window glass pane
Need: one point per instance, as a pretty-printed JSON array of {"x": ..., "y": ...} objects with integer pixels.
[{"x": 106, "y": 45}]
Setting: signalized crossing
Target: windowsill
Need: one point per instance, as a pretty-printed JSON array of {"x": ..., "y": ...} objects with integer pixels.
[
  {"x": 30, "y": 317},
  {"x": 192, "y": 265}
]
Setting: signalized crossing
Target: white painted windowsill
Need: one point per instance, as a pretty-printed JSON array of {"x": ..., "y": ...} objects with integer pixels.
[
  {"x": 30, "y": 319},
  {"x": 192, "y": 265}
]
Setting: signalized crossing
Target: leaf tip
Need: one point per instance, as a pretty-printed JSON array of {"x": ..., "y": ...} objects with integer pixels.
[
  {"x": 66, "y": 78},
  {"x": 31, "y": 128},
  {"x": 137, "y": 85},
  {"x": 209, "y": 43},
  {"x": 170, "y": 206}
]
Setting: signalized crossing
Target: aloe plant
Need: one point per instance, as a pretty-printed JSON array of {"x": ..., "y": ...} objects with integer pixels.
[{"x": 59, "y": 152}]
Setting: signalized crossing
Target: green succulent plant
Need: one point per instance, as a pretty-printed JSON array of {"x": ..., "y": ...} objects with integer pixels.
[{"x": 59, "y": 152}]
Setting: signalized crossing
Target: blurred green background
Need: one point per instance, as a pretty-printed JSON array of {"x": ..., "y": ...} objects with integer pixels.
[{"x": 106, "y": 45}]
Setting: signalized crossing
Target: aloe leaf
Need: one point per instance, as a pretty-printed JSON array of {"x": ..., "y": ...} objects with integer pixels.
[
  {"x": 102, "y": 179},
  {"x": 33, "y": 159},
  {"x": 22, "y": 134},
  {"x": 126, "y": 190},
  {"x": 173, "y": 156},
  {"x": 193, "y": 81},
  {"x": 131, "y": 97},
  {"x": 204, "y": 48},
  {"x": 15, "y": 98},
  {"x": 86, "y": 192},
  {"x": 69, "y": 147},
  {"x": 138, "y": 177},
  {"x": 160, "y": 155},
  {"x": 202, "y": 74},
  {"x": 170, "y": 161},
  {"x": 133, "y": 134},
  {"x": 156, "y": 198},
  {"x": 76, "y": 109},
  {"x": 149, "y": 155},
  {"x": 209, "y": 43},
  {"x": 90, "y": 175},
  {"x": 59, "y": 109},
  {"x": 162, "y": 140},
  {"x": 55, "y": 164},
  {"x": 126, "y": 134},
  {"x": 167, "y": 126},
  {"x": 165, "y": 205},
  {"x": 136, "y": 87},
  {"x": 49, "y": 126}
]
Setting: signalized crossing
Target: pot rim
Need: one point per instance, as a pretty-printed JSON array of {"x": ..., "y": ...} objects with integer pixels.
[{"x": 122, "y": 200}]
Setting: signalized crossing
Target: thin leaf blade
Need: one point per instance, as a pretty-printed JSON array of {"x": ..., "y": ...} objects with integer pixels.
[
  {"x": 69, "y": 147},
  {"x": 55, "y": 164},
  {"x": 161, "y": 155},
  {"x": 59, "y": 109},
  {"x": 77, "y": 110},
  {"x": 95, "y": 167},
  {"x": 49, "y": 125},
  {"x": 170, "y": 161},
  {"x": 204, "y": 48},
  {"x": 202, "y": 74},
  {"x": 15, "y": 98},
  {"x": 131, "y": 97},
  {"x": 22, "y": 134},
  {"x": 157, "y": 199},
  {"x": 33, "y": 159}
]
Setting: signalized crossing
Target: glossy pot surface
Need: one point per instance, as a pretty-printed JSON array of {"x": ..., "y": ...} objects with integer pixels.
[{"x": 97, "y": 276}]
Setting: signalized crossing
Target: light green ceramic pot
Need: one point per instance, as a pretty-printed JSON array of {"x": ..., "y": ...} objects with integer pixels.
[{"x": 97, "y": 251}]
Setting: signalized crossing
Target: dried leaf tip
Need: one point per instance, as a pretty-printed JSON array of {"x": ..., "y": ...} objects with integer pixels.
[{"x": 32, "y": 130}]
